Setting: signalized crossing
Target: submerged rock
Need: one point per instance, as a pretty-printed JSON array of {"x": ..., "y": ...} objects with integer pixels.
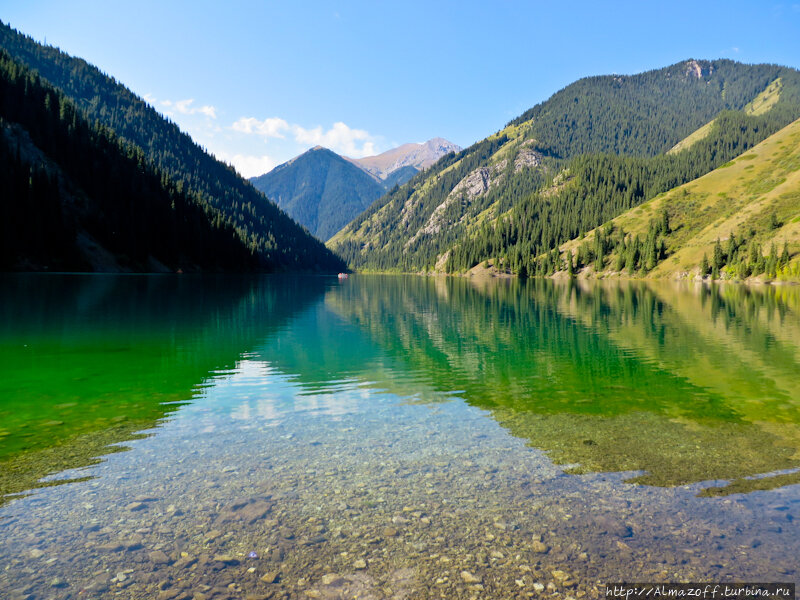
[
  {"x": 470, "y": 578},
  {"x": 270, "y": 577},
  {"x": 332, "y": 579},
  {"x": 539, "y": 547}
]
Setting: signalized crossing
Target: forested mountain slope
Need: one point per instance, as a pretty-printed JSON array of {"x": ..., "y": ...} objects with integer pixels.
[
  {"x": 279, "y": 242},
  {"x": 593, "y": 150},
  {"x": 740, "y": 220},
  {"x": 320, "y": 190},
  {"x": 75, "y": 197}
]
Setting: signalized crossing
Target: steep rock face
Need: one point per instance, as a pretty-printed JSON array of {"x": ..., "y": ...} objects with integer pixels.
[
  {"x": 694, "y": 69},
  {"x": 527, "y": 156},
  {"x": 474, "y": 184},
  {"x": 477, "y": 183}
]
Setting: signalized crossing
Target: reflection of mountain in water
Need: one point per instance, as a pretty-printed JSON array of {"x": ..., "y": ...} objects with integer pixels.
[
  {"x": 324, "y": 354},
  {"x": 90, "y": 360},
  {"x": 687, "y": 384}
]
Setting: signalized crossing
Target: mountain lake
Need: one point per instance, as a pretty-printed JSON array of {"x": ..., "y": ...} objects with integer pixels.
[{"x": 219, "y": 437}]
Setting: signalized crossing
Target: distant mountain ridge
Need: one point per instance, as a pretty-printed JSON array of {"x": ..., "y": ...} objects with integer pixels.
[
  {"x": 320, "y": 190},
  {"x": 418, "y": 156},
  {"x": 324, "y": 191}
]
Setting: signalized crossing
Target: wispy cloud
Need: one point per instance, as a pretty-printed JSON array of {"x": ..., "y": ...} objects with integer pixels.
[
  {"x": 340, "y": 137},
  {"x": 268, "y": 128},
  {"x": 185, "y": 107}
]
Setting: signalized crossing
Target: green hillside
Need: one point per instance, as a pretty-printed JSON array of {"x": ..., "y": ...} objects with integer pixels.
[
  {"x": 593, "y": 150},
  {"x": 279, "y": 242},
  {"x": 740, "y": 220},
  {"x": 76, "y": 198},
  {"x": 320, "y": 190}
]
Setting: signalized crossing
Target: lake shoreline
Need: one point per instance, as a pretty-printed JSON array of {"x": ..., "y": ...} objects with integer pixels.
[{"x": 490, "y": 274}]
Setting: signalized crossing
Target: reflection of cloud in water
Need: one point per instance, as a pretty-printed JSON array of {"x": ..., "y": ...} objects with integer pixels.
[{"x": 254, "y": 391}]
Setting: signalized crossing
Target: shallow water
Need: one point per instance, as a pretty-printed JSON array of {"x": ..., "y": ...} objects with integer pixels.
[{"x": 393, "y": 437}]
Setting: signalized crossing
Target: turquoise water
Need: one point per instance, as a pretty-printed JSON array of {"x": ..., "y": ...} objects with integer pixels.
[{"x": 393, "y": 437}]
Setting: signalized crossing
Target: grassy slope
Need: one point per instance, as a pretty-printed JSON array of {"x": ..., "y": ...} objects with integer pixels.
[
  {"x": 758, "y": 106},
  {"x": 741, "y": 194},
  {"x": 766, "y": 99},
  {"x": 692, "y": 138}
]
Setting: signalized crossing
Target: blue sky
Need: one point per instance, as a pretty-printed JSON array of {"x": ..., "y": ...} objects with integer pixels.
[{"x": 259, "y": 82}]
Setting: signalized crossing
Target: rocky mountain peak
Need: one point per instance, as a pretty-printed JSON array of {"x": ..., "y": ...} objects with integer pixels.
[{"x": 418, "y": 156}]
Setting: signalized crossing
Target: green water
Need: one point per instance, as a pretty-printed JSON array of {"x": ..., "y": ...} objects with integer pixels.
[
  {"x": 533, "y": 432},
  {"x": 88, "y": 360},
  {"x": 709, "y": 378}
]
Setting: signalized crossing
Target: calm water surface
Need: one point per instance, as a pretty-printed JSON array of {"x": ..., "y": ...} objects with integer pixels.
[{"x": 393, "y": 437}]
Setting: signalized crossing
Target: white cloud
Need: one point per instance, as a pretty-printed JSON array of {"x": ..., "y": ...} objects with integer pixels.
[
  {"x": 185, "y": 107},
  {"x": 248, "y": 165},
  {"x": 208, "y": 111},
  {"x": 268, "y": 128},
  {"x": 340, "y": 137}
]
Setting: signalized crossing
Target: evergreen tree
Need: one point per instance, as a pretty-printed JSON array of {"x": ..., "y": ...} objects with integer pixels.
[
  {"x": 704, "y": 266},
  {"x": 732, "y": 247},
  {"x": 784, "y": 259},
  {"x": 719, "y": 257}
]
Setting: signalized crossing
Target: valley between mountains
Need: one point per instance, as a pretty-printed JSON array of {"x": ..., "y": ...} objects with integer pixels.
[{"x": 686, "y": 171}]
